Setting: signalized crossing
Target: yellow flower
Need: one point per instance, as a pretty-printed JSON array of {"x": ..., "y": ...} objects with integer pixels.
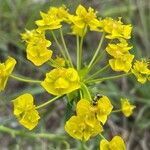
[
  {"x": 118, "y": 50},
  {"x": 25, "y": 111},
  {"x": 61, "y": 81},
  {"x": 59, "y": 62},
  {"x": 122, "y": 60},
  {"x": 123, "y": 63},
  {"x": 85, "y": 110},
  {"x": 5, "y": 71},
  {"x": 126, "y": 107},
  {"x": 82, "y": 19},
  {"x": 141, "y": 71},
  {"x": 53, "y": 18},
  {"x": 104, "y": 108},
  {"x": 78, "y": 129},
  {"x": 115, "y": 28},
  {"x": 37, "y": 51},
  {"x": 116, "y": 143},
  {"x": 78, "y": 31}
]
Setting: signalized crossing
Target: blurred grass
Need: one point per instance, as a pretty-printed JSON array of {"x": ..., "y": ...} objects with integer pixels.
[{"x": 16, "y": 15}]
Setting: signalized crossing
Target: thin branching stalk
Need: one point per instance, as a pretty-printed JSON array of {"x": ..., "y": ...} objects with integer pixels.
[
  {"x": 97, "y": 50},
  {"x": 65, "y": 48},
  {"x": 24, "y": 79},
  {"x": 59, "y": 46},
  {"x": 107, "y": 78},
  {"x": 48, "y": 102},
  {"x": 31, "y": 135},
  {"x": 98, "y": 72}
]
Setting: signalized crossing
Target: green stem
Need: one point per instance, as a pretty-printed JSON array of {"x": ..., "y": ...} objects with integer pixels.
[
  {"x": 97, "y": 50},
  {"x": 14, "y": 133},
  {"x": 98, "y": 72},
  {"x": 83, "y": 146},
  {"x": 53, "y": 63},
  {"x": 78, "y": 52},
  {"x": 65, "y": 47},
  {"x": 115, "y": 111},
  {"x": 86, "y": 92},
  {"x": 48, "y": 102},
  {"x": 97, "y": 59},
  {"x": 107, "y": 78},
  {"x": 80, "y": 48},
  {"x": 24, "y": 79},
  {"x": 59, "y": 46},
  {"x": 102, "y": 136}
]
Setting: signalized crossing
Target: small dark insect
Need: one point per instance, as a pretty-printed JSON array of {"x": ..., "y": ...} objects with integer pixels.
[{"x": 96, "y": 98}]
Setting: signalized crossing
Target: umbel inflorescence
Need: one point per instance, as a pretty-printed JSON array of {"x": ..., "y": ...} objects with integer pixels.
[{"x": 66, "y": 77}]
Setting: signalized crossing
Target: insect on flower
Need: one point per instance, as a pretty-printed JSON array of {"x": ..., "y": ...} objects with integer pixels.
[{"x": 96, "y": 98}]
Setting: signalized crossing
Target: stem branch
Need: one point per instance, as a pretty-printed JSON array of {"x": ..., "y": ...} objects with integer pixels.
[
  {"x": 48, "y": 102},
  {"x": 14, "y": 133},
  {"x": 24, "y": 79},
  {"x": 108, "y": 78},
  {"x": 65, "y": 47}
]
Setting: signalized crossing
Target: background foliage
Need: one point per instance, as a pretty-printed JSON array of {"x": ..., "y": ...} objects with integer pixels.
[{"x": 15, "y": 16}]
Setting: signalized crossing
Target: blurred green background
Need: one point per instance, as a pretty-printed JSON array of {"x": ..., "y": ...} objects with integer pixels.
[{"x": 15, "y": 16}]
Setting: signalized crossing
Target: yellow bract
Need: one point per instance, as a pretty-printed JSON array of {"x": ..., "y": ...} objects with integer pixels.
[
  {"x": 104, "y": 108},
  {"x": 59, "y": 62},
  {"x": 53, "y": 18},
  {"x": 116, "y": 143},
  {"x": 25, "y": 111},
  {"x": 5, "y": 71},
  {"x": 141, "y": 71},
  {"x": 85, "y": 110},
  {"x": 61, "y": 81},
  {"x": 122, "y": 64},
  {"x": 115, "y": 28},
  {"x": 37, "y": 51},
  {"x": 126, "y": 107},
  {"x": 78, "y": 129},
  {"x": 122, "y": 60},
  {"x": 118, "y": 50},
  {"x": 83, "y": 19}
]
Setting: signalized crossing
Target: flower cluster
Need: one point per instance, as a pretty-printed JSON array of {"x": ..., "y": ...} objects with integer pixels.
[
  {"x": 61, "y": 81},
  {"x": 122, "y": 59},
  {"x": 115, "y": 144},
  {"x": 85, "y": 124},
  {"x": 25, "y": 111},
  {"x": 141, "y": 71},
  {"x": 67, "y": 78},
  {"x": 126, "y": 107},
  {"x": 5, "y": 71},
  {"x": 37, "y": 47},
  {"x": 53, "y": 18},
  {"x": 115, "y": 29}
]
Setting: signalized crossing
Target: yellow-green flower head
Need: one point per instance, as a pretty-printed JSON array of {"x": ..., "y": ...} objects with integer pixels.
[
  {"x": 115, "y": 28},
  {"x": 86, "y": 111},
  {"x": 37, "y": 51},
  {"x": 123, "y": 63},
  {"x": 126, "y": 107},
  {"x": 59, "y": 62},
  {"x": 61, "y": 81},
  {"x": 116, "y": 143},
  {"x": 25, "y": 111},
  {"x": 118, "y": 50},
  {"x": 78, "y": 31},
  {"x": 82, "y": 19},
  {"x": 5, "y": 71},
  {"x": 53, "y": 18},
  {"x": 78, "y": 129},
  {"x": 104, "y": 108},
  {"x": 141, "y": 71}
]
